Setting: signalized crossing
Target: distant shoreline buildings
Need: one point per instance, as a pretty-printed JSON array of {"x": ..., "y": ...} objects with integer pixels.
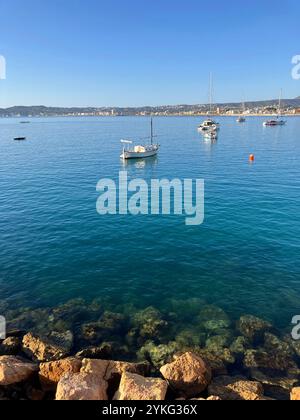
[{"x": 289, "y": 107}]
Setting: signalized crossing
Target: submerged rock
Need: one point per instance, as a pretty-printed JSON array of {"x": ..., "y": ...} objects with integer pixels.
[
  {"x": 188, "y": 375},
  {"x": 42, "y": 349},
  {"x": 228, "y": 388},
  {"x": 110, "y": 325},
  {"x": 217, "y": 342},
  {"x": 275, "y": 362},
  {"x": 158, "y": 355},
  {"x": 150, "y": 323},
  {"x": 104, "y": 351},
  {"x": 137, "y": 388},
  {"x": 14, "y": 370},
  {"x": 253, "y": 328},
  {"x": 186, "y": 309},
  {"x": 239, "y": 347},
  {"x": 213, "y": 318},
  {"x": 81, "y": 387},
  {"x": 190, "y": 338},
  {"x": 50, "y": 373}
]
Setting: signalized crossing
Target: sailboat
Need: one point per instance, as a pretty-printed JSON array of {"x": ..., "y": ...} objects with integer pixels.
[
  {"x": 140, "y": 151},
  {"x": 210, "y": 124},
  {"x": 279, "y": 120},
  {"x": 241, "y": 118}
]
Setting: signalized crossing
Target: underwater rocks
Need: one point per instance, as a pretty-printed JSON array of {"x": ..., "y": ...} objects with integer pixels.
[
  {"x": 14, "y": 370},
  {"x": 109, "y": 325},
  {"x": 253, "y": 328},
  {"x": 158, "y": 355},
  {"x": 228, "y": 388},
  {"x": 213, "y": 318},
  {"x": 150, "y": 323},
  {"x": 188, "y": 374},
  {"x": 81, "y": 387},
  {"x": 137, "y": 388}
]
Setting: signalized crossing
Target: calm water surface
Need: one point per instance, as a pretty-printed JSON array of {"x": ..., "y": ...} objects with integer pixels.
[{"x": 54, "y": 246}]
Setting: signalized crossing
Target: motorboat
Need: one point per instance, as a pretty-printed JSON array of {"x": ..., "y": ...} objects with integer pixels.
[{"x": 209, "y": 125}]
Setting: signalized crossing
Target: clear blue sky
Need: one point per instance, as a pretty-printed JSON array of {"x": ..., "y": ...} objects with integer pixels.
[{"x": 138, "y": 52}]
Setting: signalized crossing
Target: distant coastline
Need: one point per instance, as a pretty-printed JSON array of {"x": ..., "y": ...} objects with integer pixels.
[{"x": 290, "y": 107}]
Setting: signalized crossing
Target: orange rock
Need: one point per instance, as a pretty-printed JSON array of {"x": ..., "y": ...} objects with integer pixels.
[
  {"x": 51, "y": 372},
  {"x": 14, "y": 370},
  {"x": 137, "y": 388},
  {"x": 189, "y": 374},
  {"x": 295, "y": 394},
  {"x": 81, "y": 387}
]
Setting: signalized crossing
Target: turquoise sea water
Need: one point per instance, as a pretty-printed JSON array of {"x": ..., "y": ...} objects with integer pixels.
[{"x": 55, "y": 247}]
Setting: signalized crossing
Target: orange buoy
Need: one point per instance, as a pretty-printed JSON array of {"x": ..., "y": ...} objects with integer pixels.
[{"x": 251, "y": 158}]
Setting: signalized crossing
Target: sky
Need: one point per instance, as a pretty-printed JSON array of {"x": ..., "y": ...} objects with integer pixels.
[{"x": 139, "y": 52}]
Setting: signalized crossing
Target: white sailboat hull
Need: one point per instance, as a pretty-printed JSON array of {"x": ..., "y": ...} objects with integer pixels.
[{"x": 140, "y": 155}]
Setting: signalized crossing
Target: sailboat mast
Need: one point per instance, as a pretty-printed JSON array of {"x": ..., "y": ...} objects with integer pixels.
[
  {"x": 210, "y": 92},
  {"x": 151, "y": 131},
  {"x": 280, "y": 100}
]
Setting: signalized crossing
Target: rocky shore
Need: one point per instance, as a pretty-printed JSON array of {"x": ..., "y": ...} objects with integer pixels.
[{"x": 81, "y": 351}]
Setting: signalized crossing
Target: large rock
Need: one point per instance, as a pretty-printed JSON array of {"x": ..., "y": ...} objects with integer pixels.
[
  {"x": 295, "y": 394},
  {"x": 14, "y": 370},
  {"x": 42, "y": 349},
  {"x": 253, "y": 328},
  {"x": 228, "y": 388},
  {"x": 81, "y": 387},
  {"x": 111, "y": 371},
  {"x": 188, "y": 374},
  {"x": 51, "y": 372},
  {"x": 137, "y": 388}
]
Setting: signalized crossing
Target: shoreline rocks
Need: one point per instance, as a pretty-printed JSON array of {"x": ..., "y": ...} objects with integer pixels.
[
  {"x": 201, "y": 354},
  {"x": 14, "y": 370}
]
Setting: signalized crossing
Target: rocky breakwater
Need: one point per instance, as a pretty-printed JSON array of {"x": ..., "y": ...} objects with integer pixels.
[{"x": 191, "y": 350}]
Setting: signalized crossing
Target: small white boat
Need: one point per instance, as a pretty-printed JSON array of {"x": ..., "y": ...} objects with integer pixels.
[
  {"x": 273, "y": 123},
  {"x": 241, "y": 120},
  {"x": 209, "y": 125},
  {"x": 140, "y": 151}
]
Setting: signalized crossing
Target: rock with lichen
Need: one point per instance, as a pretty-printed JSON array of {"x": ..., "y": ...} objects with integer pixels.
[
  {"x": 253, "y": 328},
  {"x": 158, "y": 355},
  {"x": 213, "y": 318},
  {"x": 239, "y": 346},
  {"x": 190, "y": 337},
  {"x": 150, "y": 323},
  {"x": 109, "y": 326}
]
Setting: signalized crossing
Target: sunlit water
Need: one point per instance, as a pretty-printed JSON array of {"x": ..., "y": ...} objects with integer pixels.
[{"x": 55, "y": 247}]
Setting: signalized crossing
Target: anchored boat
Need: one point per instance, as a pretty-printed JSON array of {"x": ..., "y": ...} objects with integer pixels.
[
  {"x": 130, "y": 151},
  {"x": 278, "y": 120}
]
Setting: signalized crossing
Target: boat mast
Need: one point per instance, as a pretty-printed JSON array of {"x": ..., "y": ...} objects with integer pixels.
[
  {"x": 210, "y": 92},
  {"x": 280, "y": 100},
  {"x": 151, "y": 131}
]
